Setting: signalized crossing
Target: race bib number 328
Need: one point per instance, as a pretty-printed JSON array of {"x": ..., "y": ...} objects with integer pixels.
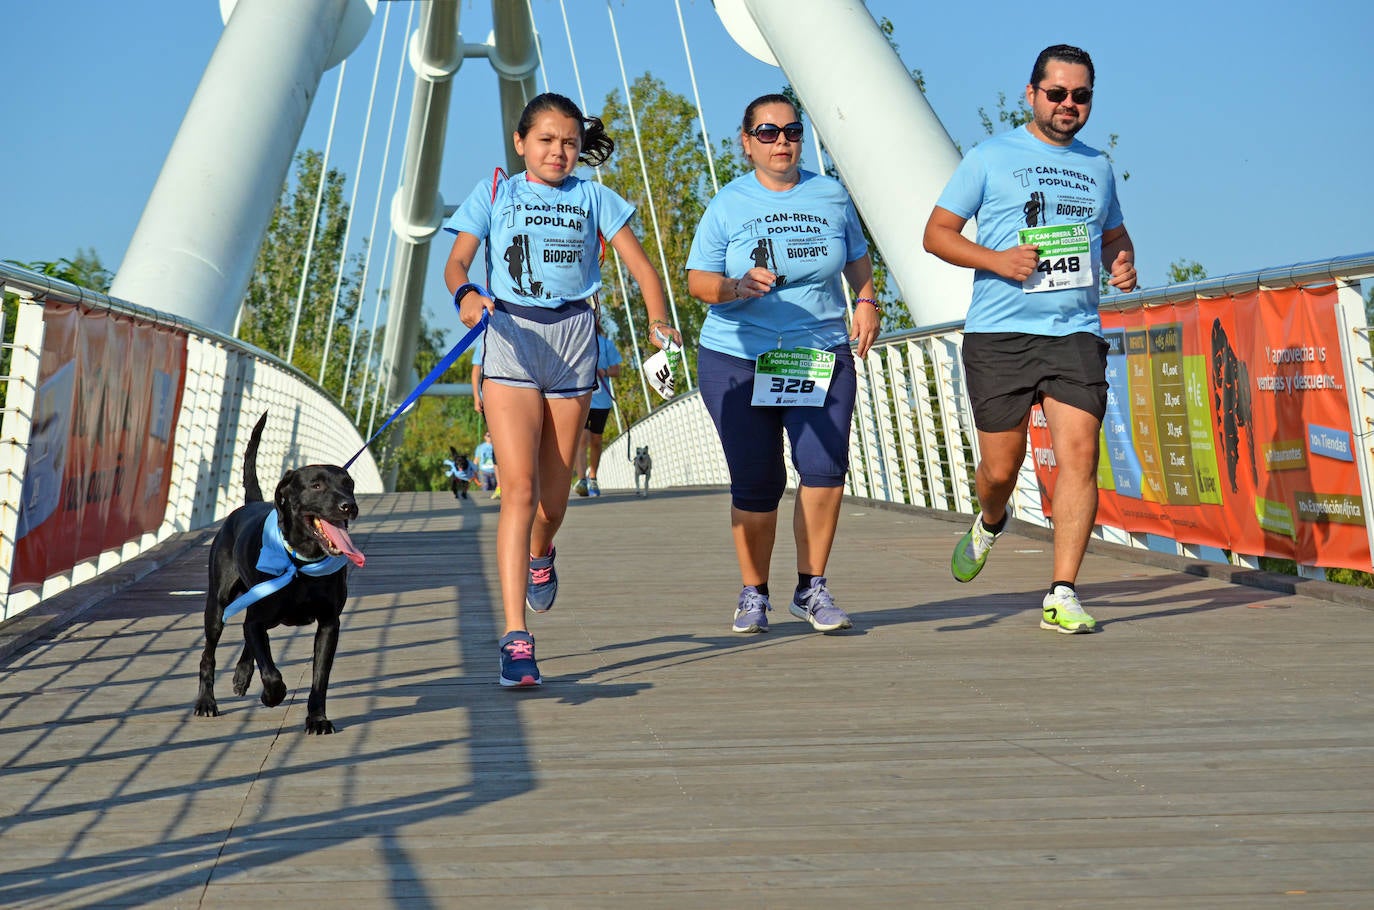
[
  {"x": 792, "y": 378},
  {"x": 1065, "y": 258}
]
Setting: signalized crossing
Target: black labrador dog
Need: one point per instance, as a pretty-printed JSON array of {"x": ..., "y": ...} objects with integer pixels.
[{"x": 282, "y": 563}]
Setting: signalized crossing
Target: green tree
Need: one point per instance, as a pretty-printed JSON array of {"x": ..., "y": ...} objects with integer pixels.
[
  {"x": 1185, "y": 270},
  {"x": 269, "y": 312},
  {"x": 269, "y": 305},
  {"x": 84, "y": 269},
  {"x": 435, "y": 423},
  {"x": 1007, "y": 118}
]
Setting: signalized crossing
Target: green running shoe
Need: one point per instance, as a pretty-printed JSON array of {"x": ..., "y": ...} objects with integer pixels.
[
  {"x": 971, "y": 552},
  {"x": 1061, "y": 612}
]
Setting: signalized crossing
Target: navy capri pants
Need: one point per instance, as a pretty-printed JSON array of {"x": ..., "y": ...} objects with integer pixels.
[{"x": 753, "y": 437}]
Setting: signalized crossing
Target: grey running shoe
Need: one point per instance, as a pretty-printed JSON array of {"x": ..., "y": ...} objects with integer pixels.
[
  {"x": 581, "y": 487},
  {"x": 971, "y": 552},
  {"x": 816, "y": 606},
  {"x": 542, "y": 586},
  {"x": 752, "y": 613}
]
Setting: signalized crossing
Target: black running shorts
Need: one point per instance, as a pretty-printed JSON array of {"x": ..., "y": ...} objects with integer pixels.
[{"x": 1007, "y": 372}]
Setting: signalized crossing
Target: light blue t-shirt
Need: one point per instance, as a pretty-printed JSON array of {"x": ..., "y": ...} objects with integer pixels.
[
  {"x": 805, "y": 235},
  {"x": 607, "y": 356},
  {"x": 1013, "y": 181},
  {"x": 544, "y": 239},
  {"x": 484, "y": 456}
]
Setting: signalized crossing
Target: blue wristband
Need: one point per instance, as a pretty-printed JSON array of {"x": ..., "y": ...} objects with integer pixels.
[{"x": 462, "y": 291}]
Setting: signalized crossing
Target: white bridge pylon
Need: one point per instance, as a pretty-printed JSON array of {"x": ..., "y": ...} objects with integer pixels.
[{"x": 816, "y": 43}]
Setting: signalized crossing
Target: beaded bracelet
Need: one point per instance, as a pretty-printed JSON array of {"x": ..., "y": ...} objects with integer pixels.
[{"x": 869, "y": 300}]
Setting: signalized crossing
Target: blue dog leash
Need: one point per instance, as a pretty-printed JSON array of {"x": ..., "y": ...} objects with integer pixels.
[
  {"x": 463, "y": 344},
  {"x": 276, "y": 560}
]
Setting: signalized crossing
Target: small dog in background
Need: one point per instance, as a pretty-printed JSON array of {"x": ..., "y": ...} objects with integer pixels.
[
  {"x": 644, "y": 466},
  {"x": 460, "y": 472}
]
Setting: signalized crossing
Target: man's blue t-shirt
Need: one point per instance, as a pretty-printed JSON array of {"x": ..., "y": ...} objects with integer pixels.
[
  {"x": 607, "y": 357},
  {"x": 543, "y": 239},
  {"x": 805, "y": 235},
  {"x": 1015, "y": 181}
]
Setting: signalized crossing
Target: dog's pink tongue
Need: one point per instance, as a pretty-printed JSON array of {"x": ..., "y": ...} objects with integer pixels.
[{"x": 341, "y": 541}]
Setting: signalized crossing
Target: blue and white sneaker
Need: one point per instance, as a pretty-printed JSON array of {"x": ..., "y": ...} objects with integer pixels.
[
  {"x": 518, "y": 669},
  {"x": 542, "y": 585},
  {"x": 816, "y": 606},
  {"x": 752, "y": 613}
]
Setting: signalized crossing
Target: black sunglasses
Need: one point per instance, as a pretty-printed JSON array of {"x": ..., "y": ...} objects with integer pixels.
[
  {"x": 1080, "y": 95},
  {"x": 767, "y": 133}
]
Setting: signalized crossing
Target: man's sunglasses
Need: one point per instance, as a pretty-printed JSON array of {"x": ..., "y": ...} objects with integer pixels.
[
  {"x": 767, "y": 133},
  {"x": 1080, "y": 95}
]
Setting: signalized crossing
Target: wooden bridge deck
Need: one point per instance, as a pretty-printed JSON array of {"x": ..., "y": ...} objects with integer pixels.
[{"x": 1212, "y": 746}]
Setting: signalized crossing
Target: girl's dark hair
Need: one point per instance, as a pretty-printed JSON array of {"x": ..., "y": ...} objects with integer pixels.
[
  {"x": 759, "y": 102},
  {"x": 596, "y": 145}
]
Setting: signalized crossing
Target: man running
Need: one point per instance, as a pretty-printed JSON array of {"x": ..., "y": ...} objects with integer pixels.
[{"x": 1032, "y": 334}]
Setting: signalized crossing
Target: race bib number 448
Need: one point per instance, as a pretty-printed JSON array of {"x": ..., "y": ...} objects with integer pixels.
[{"x": 1065, "y": 259}]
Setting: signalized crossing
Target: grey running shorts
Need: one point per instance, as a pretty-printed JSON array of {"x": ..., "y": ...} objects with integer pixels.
[{"x": 551, "y": 350}]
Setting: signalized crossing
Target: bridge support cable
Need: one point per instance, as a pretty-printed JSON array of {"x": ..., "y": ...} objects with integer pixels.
[
  {"x": 615, "y": 257},
  {"x": 372, "y": 234},
  {"x": 436, "y": 52},
  {"x": 315, "y": 216},
  {"x": 648, "y": 190},
  {"x": 353, "y": 202},
  {"x": 696, "y": 96},
  {"x": 372, "y": 335}
]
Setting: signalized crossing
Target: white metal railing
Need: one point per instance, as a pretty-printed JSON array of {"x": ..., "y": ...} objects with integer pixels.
[
  {"x": 228, "y": 385},
  {"x": 913, "y": 440}
]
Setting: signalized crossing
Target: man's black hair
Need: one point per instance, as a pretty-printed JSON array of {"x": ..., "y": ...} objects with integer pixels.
[{"x": 1065, "y": 53}]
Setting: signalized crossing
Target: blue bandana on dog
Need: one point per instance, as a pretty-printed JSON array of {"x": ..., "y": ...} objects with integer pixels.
[{"x": 277, "y": 560}]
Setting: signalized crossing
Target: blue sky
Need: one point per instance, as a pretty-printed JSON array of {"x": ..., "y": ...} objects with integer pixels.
[{"x": 1245, "y": 128}]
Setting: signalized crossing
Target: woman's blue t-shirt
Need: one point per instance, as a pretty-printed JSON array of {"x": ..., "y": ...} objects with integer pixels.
[{"x": 805, "y": 235}]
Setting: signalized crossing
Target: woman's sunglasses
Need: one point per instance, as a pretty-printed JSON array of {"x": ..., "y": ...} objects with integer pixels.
[{"x": 768, "y": 133}]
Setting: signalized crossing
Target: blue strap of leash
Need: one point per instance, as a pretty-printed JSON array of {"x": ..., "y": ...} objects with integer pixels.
[{"x": 440, "y": 368}]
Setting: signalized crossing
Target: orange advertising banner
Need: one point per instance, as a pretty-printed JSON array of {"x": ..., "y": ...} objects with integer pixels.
[
  {"x": 1228, "y": 425},
  {"x": 100, "y": 450}
]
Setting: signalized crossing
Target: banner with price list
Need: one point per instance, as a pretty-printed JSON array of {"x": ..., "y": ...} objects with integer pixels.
[{"x": 1227, "y": 425}]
